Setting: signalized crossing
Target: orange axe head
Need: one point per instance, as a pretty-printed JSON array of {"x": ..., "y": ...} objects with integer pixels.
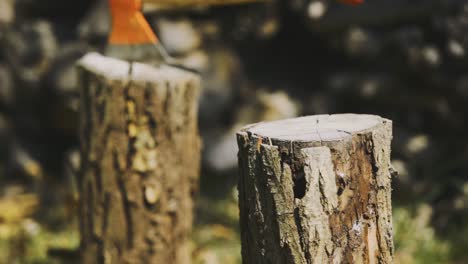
[
  {"x": 352, "y": 2},
  {"x": 129, "y": 26}
]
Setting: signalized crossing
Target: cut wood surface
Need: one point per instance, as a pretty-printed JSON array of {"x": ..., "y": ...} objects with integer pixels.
[
  {"x": 316, "y": 189},
  {"x": 140, "y": 161}
]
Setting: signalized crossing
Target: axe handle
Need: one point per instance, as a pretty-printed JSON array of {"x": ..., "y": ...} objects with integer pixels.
[{"x": 187, "y": 3}]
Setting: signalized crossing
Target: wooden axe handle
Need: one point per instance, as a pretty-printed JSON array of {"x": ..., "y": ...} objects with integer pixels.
[{"x": 186, "y": 3}]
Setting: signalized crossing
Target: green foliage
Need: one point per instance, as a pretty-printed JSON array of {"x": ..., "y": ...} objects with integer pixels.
[
  {"x": 216, "y": 239},
  {"x": 415, "y": 240},
  {"x": 28, "y": 243}
]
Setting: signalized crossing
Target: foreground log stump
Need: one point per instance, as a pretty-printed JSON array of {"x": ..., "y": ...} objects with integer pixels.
[
  {"x": 140, "y": 161},
  {"x": 316, "y": 189}
]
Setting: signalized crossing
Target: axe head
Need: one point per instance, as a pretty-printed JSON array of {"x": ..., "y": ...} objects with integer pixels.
[
  {"x": 352, "y": 2},
  {"x": 129, "y": 27}
]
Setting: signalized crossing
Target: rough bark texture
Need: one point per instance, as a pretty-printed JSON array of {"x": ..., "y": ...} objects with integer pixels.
[
  {"x": 316, "y": 190},
  {"x": 140, "y": 151}
]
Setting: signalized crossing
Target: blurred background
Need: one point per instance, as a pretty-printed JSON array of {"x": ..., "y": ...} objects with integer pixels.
[{"x": 406, "y": 60}]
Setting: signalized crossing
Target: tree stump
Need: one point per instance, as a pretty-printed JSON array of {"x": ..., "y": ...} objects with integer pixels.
[
  {"x": 316, "y": 189},
  {"x": 140, "y": 152}
]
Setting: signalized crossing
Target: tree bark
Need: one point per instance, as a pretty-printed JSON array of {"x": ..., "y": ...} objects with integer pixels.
[
  {"x": 316, "y": 190},
  {"x": 140, "y": 161}
]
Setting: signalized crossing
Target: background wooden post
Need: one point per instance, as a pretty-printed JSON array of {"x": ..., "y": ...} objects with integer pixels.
[
  {"x": 140, "y": 151},
  {"x": 316, "y": 190}
]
